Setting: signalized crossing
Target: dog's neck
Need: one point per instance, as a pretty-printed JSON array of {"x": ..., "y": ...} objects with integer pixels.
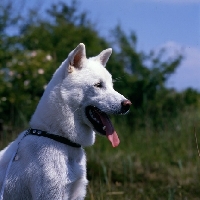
[
  {"x": 66, "y": 124},
  {"x": 54, "y": 115},
  {"x": 57, "y": 138}
]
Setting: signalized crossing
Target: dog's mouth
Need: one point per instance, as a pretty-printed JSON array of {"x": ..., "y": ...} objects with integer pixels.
[{"x": 102, "y": 124}]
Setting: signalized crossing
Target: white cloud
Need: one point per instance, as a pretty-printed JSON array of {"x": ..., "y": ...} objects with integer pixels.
[
  {"x": 172, "y": 49},
  {"x": 188, "y": 73}
]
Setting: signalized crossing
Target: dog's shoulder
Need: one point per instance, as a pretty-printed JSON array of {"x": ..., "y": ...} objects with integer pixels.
[{"x": 50, "y": 154}]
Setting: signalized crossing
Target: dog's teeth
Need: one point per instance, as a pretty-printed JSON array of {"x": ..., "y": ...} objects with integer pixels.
[{"x": 104, "y": 128}]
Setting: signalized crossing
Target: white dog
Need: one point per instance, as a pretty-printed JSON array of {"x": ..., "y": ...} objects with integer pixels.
[{"x": 74, "y": 105}]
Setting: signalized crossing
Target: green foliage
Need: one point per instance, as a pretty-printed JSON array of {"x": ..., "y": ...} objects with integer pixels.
[
  {"x": 25, "y": 79},
  {"x": 63, "y": 30},
  {"x": 29, "y": 59}
]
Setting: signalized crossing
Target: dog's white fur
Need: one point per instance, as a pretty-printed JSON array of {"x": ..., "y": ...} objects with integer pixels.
[{"x": 46, "y": 169}]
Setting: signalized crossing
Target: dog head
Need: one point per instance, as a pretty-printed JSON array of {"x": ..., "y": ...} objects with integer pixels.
[
  {"x": 81, "y": 96},
  {"x": 93, "y": 91}
]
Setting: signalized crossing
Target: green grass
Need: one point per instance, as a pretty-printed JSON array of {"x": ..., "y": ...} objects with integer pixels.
[{"x": 147, "y": 165}]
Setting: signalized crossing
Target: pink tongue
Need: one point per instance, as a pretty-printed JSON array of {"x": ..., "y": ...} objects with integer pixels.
[
  {"x": 113, "y": 137},
  {"x": 110, "y": 132}
]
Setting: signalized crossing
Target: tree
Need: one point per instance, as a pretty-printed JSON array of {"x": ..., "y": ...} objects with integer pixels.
[{"x": 144, "y": 82}]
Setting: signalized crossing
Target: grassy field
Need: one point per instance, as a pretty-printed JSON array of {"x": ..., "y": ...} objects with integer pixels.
[{"x": 147, "y": 165}]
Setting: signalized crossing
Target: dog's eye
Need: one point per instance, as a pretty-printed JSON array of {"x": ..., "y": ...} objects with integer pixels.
[{"x": 99, "y": 85}]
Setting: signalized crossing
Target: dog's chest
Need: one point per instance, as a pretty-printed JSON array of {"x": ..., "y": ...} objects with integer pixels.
[
  {"x": 49, "y": 167},
  {"x": 67, "y": 162}
]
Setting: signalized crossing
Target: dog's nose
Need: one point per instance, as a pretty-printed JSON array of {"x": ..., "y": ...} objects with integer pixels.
[{"x": 125, "y": 106}]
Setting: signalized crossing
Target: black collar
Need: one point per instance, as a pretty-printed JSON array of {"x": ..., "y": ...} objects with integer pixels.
[{"x": 52, "y": 136}]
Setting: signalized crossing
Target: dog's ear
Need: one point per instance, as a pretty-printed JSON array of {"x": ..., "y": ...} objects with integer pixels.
[
  {"x": 104, "y": 56},
  {"x": 76, "y": 57}
]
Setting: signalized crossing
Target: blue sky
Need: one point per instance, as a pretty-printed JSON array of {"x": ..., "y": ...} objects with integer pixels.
[{"x": 174, "y": 24}]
